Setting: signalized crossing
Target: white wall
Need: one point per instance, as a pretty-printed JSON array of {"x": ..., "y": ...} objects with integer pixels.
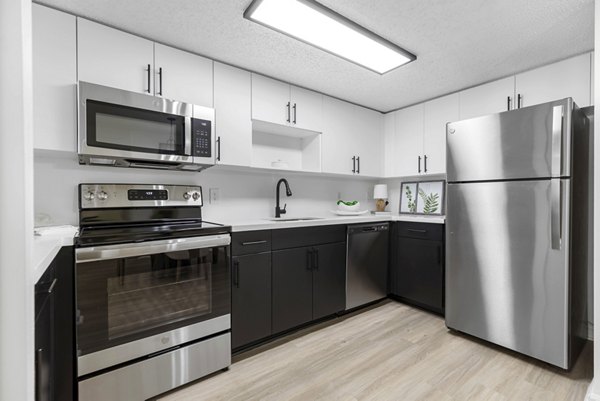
[
  {"x": 243, "y": 194},
  {"x": 16, "y": 206}
]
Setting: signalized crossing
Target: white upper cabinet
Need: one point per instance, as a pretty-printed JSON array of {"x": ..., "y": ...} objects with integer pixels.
[
  {"x": 493, "y": 97},
  {"x": 436, "y": 114},
  {"x": 307, "y": 109},
  {"x": 54, "y": 79},
  {"x": 284, "y": 104},
  {"x": 351, "y": 140},
  {"x": 338, "y": 133},
  {"x": 233, "y": 89},
  {"x": 183, "y": 76},
  {"x": 567, "y": 78},
  {"x": 415, "y": 137},
  {"x": 270, "y": 100},
  {"x": 110, "y": 57},
  {"x": 408, "y": 142}
]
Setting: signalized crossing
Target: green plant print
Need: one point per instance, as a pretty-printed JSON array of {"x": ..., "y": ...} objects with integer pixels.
[
  {"x": 412, "y": 205},
  {"x": 431, "y": 202}
]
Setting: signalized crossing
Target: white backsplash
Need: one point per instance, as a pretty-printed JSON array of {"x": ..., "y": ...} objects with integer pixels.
[{"x": 242, "y": 194}]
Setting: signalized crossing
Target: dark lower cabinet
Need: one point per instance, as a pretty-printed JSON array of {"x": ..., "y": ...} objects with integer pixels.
[
  {"x": 329, "y": 280},
  {"x": 292, "y": 288},
  {"x": 417, "y": 274},
  {"x": 308, "y": 283},
  {"x": 55, "y": 331},
  {"x": 251, "y": 299}
]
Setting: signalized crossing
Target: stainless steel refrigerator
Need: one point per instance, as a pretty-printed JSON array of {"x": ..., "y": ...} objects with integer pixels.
[{"x": 516, "y": 229}]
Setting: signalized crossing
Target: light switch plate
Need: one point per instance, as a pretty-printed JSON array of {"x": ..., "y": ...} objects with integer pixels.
[{"x": 213, "y": 195}]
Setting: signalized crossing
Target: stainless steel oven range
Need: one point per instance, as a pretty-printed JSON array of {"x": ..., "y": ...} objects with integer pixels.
[{"x": 152, "y": 291}]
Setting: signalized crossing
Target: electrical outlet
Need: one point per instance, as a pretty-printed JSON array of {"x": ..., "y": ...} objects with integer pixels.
[{"x": 213, "y": 195}]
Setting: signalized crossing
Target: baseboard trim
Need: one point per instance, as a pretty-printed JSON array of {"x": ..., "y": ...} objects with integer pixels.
[{"x": 590, "y": 395}]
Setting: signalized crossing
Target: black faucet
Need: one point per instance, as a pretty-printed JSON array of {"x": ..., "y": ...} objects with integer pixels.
[{"x": 279, "y": 211}]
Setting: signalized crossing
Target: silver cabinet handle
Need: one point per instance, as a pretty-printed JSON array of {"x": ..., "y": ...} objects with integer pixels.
[
  {"x": 419, "y": 164},
  {"x": 354, "y": 164},
  {"x": 508, "y": 103},
  {"x": 556, "y": 190},
  {"x": 519, "y": 101},
  {"x": 295, "y": 109},
  {"x": 92, "y": 254},
  {"x": 264, "y": 241},
  {"x": 425, "y": 162},
  {"x": 357, "y": 164},
  {"x": 557, "y": 131},
  {"x": 160, "y": 76},
  {"x": 288, "y": 112}
]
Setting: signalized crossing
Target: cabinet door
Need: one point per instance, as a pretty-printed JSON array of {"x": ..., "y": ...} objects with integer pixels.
[
  {"x": 487, "y": 99},
  {"x": 329, "y": 279},
  {"x": 367, "y": 134},
  {"x": 437, "y": 113},
  {"x": 419, "y": 272},
  {"x": 54, "y": 79},
  {"x": 567, "y": 78},
  {"x": 408, "y": 152},
  {"x": 185, "y": 76},
  {"x": 233, "y": 120},
  {"x": 251, "y": 299},
  {"x": 388, "y": 144},
  {"x": 337, "y": 138},
  {"x": 292, "y": 288},
  {"x": 270, "y": 100},
  {"x": 110, "y": 57},
  {"x": 307, "y": 109}
]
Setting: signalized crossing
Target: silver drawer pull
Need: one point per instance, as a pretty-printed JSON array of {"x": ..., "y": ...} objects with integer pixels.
[
  {"x": 416, "y": 231},
  {"x": 254, "y": 242}
]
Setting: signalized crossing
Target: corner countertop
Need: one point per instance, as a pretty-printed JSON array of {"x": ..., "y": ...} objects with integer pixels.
[
  {"x": 266, "y": 224},
  {"x": 45, "y": 249}
]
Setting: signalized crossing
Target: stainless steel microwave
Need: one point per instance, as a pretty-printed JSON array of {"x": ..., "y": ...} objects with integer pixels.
[{"x": 128, "y": 129}]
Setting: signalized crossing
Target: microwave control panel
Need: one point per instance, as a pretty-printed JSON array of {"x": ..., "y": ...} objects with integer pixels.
[{"x": 201, "y": 138}]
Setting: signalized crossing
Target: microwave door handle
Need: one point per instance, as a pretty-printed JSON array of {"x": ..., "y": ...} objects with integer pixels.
[
  {"x": 106, "y": 252},
  {"x": 187, "y": 132}
]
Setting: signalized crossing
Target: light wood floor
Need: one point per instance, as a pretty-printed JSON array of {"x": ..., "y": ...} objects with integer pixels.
[{"x": 391, "y": 352}]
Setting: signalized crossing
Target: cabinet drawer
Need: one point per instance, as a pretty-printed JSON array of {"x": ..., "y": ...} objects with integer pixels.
[
  {"x": 429, "y": 231},
  {"x": 308, "y": 236},
  {"x": 249, "y": 242}
]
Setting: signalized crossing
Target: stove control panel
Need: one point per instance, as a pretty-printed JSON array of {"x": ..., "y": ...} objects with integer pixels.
[{"x": 103, "y": 196}]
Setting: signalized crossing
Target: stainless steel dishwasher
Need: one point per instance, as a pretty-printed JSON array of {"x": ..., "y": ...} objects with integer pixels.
[{"x": 367, "y": 263}]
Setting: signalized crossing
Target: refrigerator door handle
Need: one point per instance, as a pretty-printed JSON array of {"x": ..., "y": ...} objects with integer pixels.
[
  {"x": 556, "y": 189},
  {"x": 557, "y": 133}
]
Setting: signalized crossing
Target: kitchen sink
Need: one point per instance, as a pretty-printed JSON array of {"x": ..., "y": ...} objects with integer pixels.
[{"x": 282, "y": 219}]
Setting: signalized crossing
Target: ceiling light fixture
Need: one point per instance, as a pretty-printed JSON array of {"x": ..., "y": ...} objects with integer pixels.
[{"x": 317, "y": 25}]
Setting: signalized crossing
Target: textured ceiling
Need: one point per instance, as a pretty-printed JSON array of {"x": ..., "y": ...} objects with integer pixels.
[{"x": 459, "y": 43}]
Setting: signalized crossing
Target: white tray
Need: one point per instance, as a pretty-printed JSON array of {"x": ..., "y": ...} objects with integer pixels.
[{"x": 347, "y": 213}]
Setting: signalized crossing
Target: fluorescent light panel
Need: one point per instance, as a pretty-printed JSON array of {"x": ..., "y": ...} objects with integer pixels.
[{"x": 319, "y": 26}]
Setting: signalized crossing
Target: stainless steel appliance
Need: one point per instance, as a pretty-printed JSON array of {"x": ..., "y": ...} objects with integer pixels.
[
  {"x": 129, "y": 129},
  {"x": 367, "y": 263},
  {"x": 153, "y": 293},
  {"x": 516, "y": 229}
]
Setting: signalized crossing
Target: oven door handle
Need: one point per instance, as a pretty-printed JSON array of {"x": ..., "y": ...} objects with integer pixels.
[{"x": 92, "y": 254}]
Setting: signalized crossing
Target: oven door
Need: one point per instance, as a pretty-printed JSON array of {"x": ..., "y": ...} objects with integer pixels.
[{"x": 137, "y": 299}]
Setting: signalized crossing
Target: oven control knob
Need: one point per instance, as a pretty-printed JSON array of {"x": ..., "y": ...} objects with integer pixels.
[
  {"x": 196, "y": 196},
  {"x": 89, "y": 196},
  {"x": 186, "y": 195},
  {"x": 102, "y": 196}
]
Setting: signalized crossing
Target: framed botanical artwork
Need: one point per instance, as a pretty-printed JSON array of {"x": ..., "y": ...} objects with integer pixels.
[
  {"x": 425, "y": 197},
  {"x": 431, "y": 197},
  {"x": 408, "y": 197}
]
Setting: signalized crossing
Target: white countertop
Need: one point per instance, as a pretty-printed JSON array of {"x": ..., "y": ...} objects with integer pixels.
[
  {"x": 45, "y": 249},
  {"x": 266, "y": 224}
]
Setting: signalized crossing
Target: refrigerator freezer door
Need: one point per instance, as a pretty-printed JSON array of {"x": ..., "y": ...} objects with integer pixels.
[
  {"x": 505, "y": 281},
  {"x": 533, "y": 142}
]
